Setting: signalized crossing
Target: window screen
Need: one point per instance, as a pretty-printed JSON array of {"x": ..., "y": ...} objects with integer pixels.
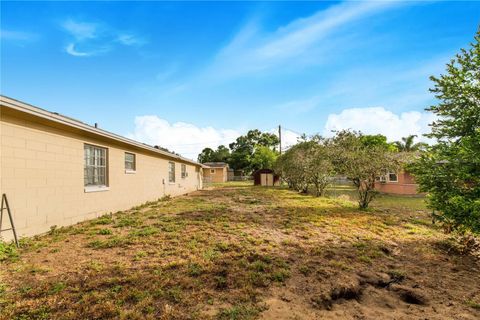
[
  {"x": 95, "y": 168},
  {"x": 184, "y": 171},
  {"x": 130, "y": 161},
  {"x": 171, "y": 172}
]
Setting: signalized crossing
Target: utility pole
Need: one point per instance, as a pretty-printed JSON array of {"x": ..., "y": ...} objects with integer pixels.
[{"x": 280, "y": 138}]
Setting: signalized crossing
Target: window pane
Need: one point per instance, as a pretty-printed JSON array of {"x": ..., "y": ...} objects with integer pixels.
[
  {"x": 171, "y": 172},
  {"x": 95, "y": 166},
  {"x": 129, "y": 161},
  {"x": 392, "y": 177}
]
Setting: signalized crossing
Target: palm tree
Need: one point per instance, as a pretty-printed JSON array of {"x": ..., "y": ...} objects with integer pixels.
[{"x": 407, "y": 145}]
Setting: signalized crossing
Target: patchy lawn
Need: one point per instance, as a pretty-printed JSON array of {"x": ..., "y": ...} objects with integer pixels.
[{"x": 242, "y": 252}]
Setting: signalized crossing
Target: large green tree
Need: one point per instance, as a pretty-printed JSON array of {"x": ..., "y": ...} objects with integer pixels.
[
  {"x": 244, "y": 148},
  {"x": 263, "y": 158},
  {"x": 379, "y": 140},
  {"x": 222, "y": 154},
  {"x": 450, "y": 170}
]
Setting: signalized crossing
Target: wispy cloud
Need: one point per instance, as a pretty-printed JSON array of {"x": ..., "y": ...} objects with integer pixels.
[
  {"x": 94, "y": 38},
  {"x": 82, "y": 30},
  {"x": 403, "y": 86},
  {"x": 17, "y": 35},
  {"x": 71, "y": 50},
  {"x": 252, "y": 50}
]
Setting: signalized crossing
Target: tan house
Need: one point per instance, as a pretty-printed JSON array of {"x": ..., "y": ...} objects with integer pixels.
[
  {"x": 58, "y": 171},
  {"x": 400, "y": 182},
  {"x": 216, "y": 172}
]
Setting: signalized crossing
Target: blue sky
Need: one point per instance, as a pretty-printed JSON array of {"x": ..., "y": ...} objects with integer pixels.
[{"x": 187, "y": 75}]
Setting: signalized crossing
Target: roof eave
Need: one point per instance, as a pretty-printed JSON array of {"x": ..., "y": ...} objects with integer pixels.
[{"x": 41, "y": 113}]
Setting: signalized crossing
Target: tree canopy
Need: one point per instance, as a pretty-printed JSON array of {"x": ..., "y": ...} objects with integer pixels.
[
  {"x": 450, "y": 170},
  {"x": 245, "y": 147},
  {"x": 363, "y": 162},
  {"x": 252, "y": 151},
  {"x": 222, "y": 154},
  {"x": 361, "y": 158}
]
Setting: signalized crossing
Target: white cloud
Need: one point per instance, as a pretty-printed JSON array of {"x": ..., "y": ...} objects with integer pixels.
[
  {"x": 70, "y": 49},
  {"x": 289, "y": 138},
  {"x": 90, "y": 38},
  {"x": 379, "y": 120},
  {"x": 188, "y": 139},
  {"x": 251, "y": 50},
  {"x": 184, "y": 138}
]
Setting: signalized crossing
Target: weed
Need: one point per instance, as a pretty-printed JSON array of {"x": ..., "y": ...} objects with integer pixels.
[
  {"x": 473, "y": 304},
  {"x": 305, "y": 270},
  {"x": 103, "y": 220},
  {"x": 194, "y": 269},
  {"x": 3, "y": 288},
  {"x": 8, "y": 252},
  {"x": 221, "y": 281},
  {"x": 139, "y": 255},
  {"x": 57, "y": 287},
  {"x": 126, "y": 222},
  {"x": 210, "y": 254},
  {"x": 95, "y": 266},
  {"x": 104, "y": 231},
  {"x": 223, "y": 246},
  {"x": 259, "y": 279},
  {"x": 145, "y": 232},
  {"x": 42, "y": 313},
  {"x": 53, "y": 230},
  {"x": 340, "y": 264},
  {"x": 174, "y": 294},
  {"x": 397, "y": 275},
  {"x": 365, "y": 258},
  {"x": 280, "y": 275},
  {"x": 165, "y": 198},
  {"x": 259, "y": 266},
  {"x": 116, "y": 288}
]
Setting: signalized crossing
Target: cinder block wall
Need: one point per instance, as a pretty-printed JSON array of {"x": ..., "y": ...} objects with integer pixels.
[{"x": 42, "y": 174}]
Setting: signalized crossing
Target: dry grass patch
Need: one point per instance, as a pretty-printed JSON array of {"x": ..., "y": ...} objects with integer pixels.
[{"x": 242, "y": 252}]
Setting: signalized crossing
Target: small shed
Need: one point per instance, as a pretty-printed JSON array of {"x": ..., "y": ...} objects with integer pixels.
[{"x": 266, "y": 178}]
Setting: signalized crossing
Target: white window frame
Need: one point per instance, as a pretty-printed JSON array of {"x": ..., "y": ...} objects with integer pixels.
[
  {"x": 128, "y": 170},
  {"x": 184, "y": 173},
  {"x": 212, "y": 171},
  {"x": 171, "y": 173},
  {"x": 388, "y": 177},
  {"x": 93, "y": 160}
]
